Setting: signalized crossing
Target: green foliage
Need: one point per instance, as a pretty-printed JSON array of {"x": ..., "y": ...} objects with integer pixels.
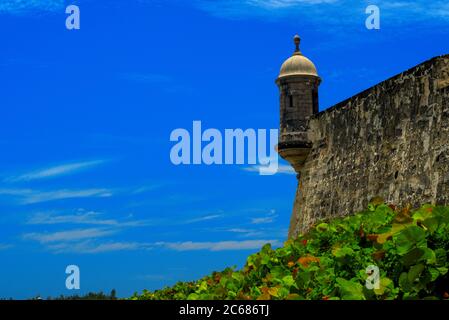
[
  {"x": 330, "y": 262},
  {"x": 89, "y": 296}
]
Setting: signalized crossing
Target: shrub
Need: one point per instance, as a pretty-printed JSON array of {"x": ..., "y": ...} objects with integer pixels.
[{"x": 330, "y": 262}]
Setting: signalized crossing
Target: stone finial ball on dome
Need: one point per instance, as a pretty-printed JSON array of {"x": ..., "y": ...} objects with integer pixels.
[{"x": 297, "y": 41}]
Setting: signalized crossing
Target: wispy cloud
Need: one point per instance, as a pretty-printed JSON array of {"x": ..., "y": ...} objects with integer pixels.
[
  {"x": 30, "y": 196},
  {"x": 145, "y": 189},
  {"x": 83, "y": 217},
  {"x": 263, "y": 220},
  {"x": 235, "y": 9},
  {"x": 91, "y": 240},
  {"x": 269, "y": 218},
  {"x": 325, "y": 12},
  {"x": 68, "y": 236},
  {"x": 80, "y": 241},
  {"x": 274, "y": 231},
  {"x": 443, "y": 10},
  {"x": 55, "y": 171},
  {"x": 205, "y": 218},
  {"x": 83, "y": 241},
  {"x": 25, "y": 6},
  {"x": 245, "y": 232},
  {"x": 91, "y": 247},
  {"x": 5, "y": 246},
  {"x": 282, "y": 169},
  {"x": 280, "y": 4},
  {"x": 217, "y": 246}
]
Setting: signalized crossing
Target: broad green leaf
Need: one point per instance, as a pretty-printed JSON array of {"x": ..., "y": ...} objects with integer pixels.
[
  {"x": 404, "y": 283},
  {"x": 429, "y": 256},
  {"x": 273, "y": 291},
  {"x": 385, "y": 284},
  {"x": 431, "y": 224},
  {"x": 238, "y": 276},
  {"x": 193, "y": 296},
  {"x": 416, "y": 255},
  {"x": 442, "y": 270},
  {"x": 350, "y": 290},
  {"x": 288, "y": 281},
  {"x": 265, "y": 259},
  {"x": 409, "y": 238},
  {"x": 422, "y": 214},
  {"x": 415, "y": 272},
  {"x": 395, "y": 228},
  {"x": 322, "y": 227},
  {"x": 294, "y": 296},
  {"x": 342, "y": 252},
  {"x": 434, "y": 273},
  {"x": 441, "y": 256}
]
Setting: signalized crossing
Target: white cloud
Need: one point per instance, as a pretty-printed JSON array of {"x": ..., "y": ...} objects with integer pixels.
[
  {"x": 86, "y": 241},
  {"x": 144, "y": 189},
  {"x": 30, "y": 196},
  {"x": 276, "y": 4},
  {"x": 5, "y": 246},
  {"x": 205, "y": 218},
  {"x": 55, "y": 171},
  {"x": 261, "y": 8},
  {"x": 90, "y": 217},
  {"x": 80, "y": 241},
  {"x": 270, "y": 218},
  {"x": 325, "y": 12},
  {"x": 239, "y": 230},
  {"x": 25, "y": 6},
  {"x": 245, "y": 232},
  {"x": 282, "y": 169},
  {"x": 89, "y": 247},
  {"x": 71, "y": 235},
  {"x": 83, "y": 217},
  {"x": 442, "y": 11},
  {"x": 217, "y": 246}
]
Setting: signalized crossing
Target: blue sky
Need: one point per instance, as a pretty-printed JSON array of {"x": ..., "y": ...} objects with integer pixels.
[{"x": 86, "y": 116}]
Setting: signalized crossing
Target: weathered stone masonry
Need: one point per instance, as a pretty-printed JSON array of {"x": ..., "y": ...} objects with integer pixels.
[{"x": 391, "y": 140}]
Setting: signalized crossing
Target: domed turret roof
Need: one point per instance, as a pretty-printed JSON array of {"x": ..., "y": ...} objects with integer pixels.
[{"x": 298, "y": 64}]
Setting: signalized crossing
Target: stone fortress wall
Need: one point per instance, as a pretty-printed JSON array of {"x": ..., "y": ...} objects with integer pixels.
[{"x": 390, "y": 141}]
